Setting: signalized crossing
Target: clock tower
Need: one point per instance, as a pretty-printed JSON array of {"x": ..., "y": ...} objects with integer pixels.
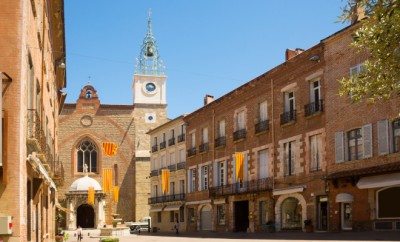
[{"x": 149, "y": 78}]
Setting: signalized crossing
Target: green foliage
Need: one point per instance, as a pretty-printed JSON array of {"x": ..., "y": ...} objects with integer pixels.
[
  {"x": 379, "y": 36},
  {"x": 109, "y": 240}
]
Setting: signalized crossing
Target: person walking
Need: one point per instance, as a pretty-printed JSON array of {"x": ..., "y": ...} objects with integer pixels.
[
  {"x": 177, "y": 227},
  {"x": 79, "y": 233}
]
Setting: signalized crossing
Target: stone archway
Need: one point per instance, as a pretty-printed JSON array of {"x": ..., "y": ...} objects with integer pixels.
[
  {"x": 85, "y": 216},
  {"x": 278, "y": 207}
]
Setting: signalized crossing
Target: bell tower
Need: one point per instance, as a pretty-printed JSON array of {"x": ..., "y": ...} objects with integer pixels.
[{"x": 149, "y": 80}]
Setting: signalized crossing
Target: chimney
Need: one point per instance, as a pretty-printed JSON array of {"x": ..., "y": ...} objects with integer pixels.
[
  {"x": 292, "y": 53},
  {"x": 208, "y": 99},
  {"x": 358, "y": 13}
]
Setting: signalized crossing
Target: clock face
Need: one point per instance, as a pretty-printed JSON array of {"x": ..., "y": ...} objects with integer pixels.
[{"x": 150, "y": 87}]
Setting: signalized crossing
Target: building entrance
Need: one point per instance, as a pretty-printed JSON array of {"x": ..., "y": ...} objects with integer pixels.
[
  {"x": 85, "y": 216},
  {"x": 322, "y": 213},
  {"x": 241, "y": 216}
]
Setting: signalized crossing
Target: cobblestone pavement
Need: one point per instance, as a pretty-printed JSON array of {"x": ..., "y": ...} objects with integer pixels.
[{"x": 253, "y": 237}]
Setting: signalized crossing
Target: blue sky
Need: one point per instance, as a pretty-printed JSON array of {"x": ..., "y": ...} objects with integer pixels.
[{"x": 208, "y": 46}]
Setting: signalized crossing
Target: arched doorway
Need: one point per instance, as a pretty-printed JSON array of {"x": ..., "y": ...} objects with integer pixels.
[
  {"x": 291, "y": 213},
  {"x": 205, "y": 218},
  {"x": 85, "y": 216}
]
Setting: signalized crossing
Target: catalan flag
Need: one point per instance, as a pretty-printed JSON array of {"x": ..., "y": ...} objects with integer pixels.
[
  {"x": 107, "y": 180},
  {"x": 239, "y": 166},
  {"x": 90, "y": 199},
  {"x": 115, "y": 195},
  {"x": 165, "y": 181},
  {"x": 110, "y": 149}
]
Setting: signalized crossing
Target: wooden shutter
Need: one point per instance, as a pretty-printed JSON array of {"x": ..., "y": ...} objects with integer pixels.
[
  {"x": 339, "y": 149},
  {"x": 383, "y": 137},
  {"x": 367, "y": 141},
  {"x": 215, "y": 172},
  {"x": 201, "y": 177},
  {"x": 189, "y": 180}
]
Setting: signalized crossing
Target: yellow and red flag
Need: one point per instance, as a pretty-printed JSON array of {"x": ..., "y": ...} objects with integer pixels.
[
  {"x": 239, "y": 166},
  {"x": 110, "y": 149},
  {"x": 165, "y": 181},
  {"x": 90, "y": 199},
  {"x": 116, "y": 193},
  {"x": 107, "y": 179}
]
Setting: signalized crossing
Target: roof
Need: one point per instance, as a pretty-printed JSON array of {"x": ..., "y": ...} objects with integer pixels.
[
  {"x": 373, "y": 170},
  {"x": 166, "y": 124}
]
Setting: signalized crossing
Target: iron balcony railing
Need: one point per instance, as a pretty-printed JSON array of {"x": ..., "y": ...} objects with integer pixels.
[
  {"x": 203, "y": 147},
  {"x": 240, "y": 134},
  {"x": 181, "y": 138},
  {"x": 163, "y": 145},
  {"x": 288, "y": 117},
  {"x": 314, "y": 107},
  {"x": 220, "y": 141},
  {"x": 154, "y": 173},
  {"x": 172, "y": 167},
  {"x": 167, "y": 198},
  {"x": 262, "y": 126},
  {"x": 191, "y": 151},
  {"x": 154, "y": 148},
  {"x": 181, "y": 165},
  {"x": 171, "y": 141},
  {"x": 244, "y": 187}
]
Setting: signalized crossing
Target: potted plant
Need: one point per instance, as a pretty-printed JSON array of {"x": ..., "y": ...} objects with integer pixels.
[{"x": 308, "y": 226}]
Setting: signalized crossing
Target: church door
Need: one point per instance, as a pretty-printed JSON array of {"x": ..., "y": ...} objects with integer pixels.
[{"x": 85, "y": 216}]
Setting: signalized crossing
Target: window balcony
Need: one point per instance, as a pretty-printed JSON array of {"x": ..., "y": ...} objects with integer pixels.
[
  {"x": 181, "y": 165},
  {"x": 313, "y": 108},
  {"x": 203, "y": 148},
  {"x": 191, "y": 151},
  {"x": 163, "y": 145},
  {"x": 167, "y": 198},
  {"x": 154, "y": 173},
  {"x": 181, "y": 138},
  {"x": 220, "y": 141},
  {"x": 172, "y": 167},
  {"x": 259, "y": 185},
  {"x": 288, "y": 117},
  {"x": 154, "y": 148},
  {"x": 262, "y": 126},
  {"x": 171, "y": 141},
  {"x": 240, "y": 134}
]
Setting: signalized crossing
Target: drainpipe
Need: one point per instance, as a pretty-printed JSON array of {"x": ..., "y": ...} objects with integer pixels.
[
  {"x": 213, "y": 156},
  {"x": 273, "y": 143}
]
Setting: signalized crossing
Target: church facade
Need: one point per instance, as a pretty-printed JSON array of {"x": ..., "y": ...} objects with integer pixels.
[{"x": 87, "y": 125}]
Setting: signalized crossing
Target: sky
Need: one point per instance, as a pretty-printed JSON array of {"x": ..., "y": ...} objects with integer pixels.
[{"x": 208, "y": 46}]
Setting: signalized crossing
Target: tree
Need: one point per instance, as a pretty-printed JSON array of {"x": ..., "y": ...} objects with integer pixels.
[{"x": 379, "y": 35}]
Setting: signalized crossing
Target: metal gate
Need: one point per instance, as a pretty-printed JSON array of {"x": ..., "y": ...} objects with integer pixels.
[{"x": 205, "y": 218}]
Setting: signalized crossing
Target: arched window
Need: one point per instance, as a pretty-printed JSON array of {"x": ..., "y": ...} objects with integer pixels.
[
  {"x": 388, "y": 201},
  {"x": 89, "y": 94},
  {"x": 86, "y": 154},
  {"x": 291, "y": 213}
]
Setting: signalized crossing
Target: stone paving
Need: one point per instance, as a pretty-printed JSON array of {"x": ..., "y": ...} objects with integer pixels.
[{"x": 271, "y": 237}]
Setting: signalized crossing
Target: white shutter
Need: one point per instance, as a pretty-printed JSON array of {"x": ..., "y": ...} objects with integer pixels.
[
  {"x": 367, "y": 141},
  {"x": 189, "y": 181},
  {"x": 319, "y": 150},
  {"x": 225, "y": 172},
  {"x": 245, "y": 165},
  {"x": 215, "y": 172},
  {"x": 263, "y": 164},
  {"x": 222, "y": 128},
  {"x": 263, "y": 111},
  {"x": 339, "y": 149},
  {"x": 205, "y": 135},
  {"x": 201, "y": 176},
  {"x": 234, "y": 170},
  {"x": 292, "y": 155},
  {"x": 383, "y": 137}
]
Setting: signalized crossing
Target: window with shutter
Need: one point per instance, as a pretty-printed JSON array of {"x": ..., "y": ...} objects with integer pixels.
[
  {"x": 289, "y": 158},
  {"x": 315, "y": 152},
  {"x": 396, "y": 135},
  {"x": 383, "y": 137},
  {"x": 263, "y": 163},
  {"x": 221, "y": 130},
  {"x": 263, "y": 111},
  {"x": 339, "y": 151},
  {"x": 355, "y": 144},
  {"x": 367, "y": 141}
]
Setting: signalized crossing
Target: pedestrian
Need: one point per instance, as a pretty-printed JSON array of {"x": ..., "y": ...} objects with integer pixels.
[
  {"x": 177, "y": 227},
  {"x": 79, "y": 233}
]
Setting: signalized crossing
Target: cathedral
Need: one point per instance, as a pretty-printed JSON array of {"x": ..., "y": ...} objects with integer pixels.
[{"x": 105, "y": 150}]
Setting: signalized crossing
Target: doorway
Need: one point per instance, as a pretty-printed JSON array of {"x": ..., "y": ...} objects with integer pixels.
[
  {"x": 205, "y": 218},
  {"x": 241, "y": 216},
  {"x": 346, "y": 216},
  {"x": 322, "y": 213},
  {"x": 85, "y": 216}
]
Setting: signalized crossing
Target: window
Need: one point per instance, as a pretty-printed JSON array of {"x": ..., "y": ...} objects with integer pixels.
[
  {"x": 182, "y": 155},
  {"x": 155, "y": 191},
  {"x": 193, "y": 140},
  {"x": 159, "y": 217},
  {"x": 289, "y": 114},
  {"x": 291, "y": 213},
  {"x": 171, "y": 216},
  {"x": 172, "y": 188},
  {"x": 182, "y": 214},
  {"x": 263, "y": 164},
  {"x": 191, "y": 215},
  {"x": 357, "y": 70},
  {"x": 315, "y": 152},
  {"x": 315, "y": 91},
  {"x": 115, "y": 174},
  {"x": 172, "y": 134},
  {"x": 192, "y": 180},
  {"x": 289, "y": 158},
  {"x": 222, "y": 173},
  {"x": 89, "y": 94},
  {"x": 221, "y": 214},
  {"x": 155, "y": 140},
  {"x": 221, "y": 128},
  {"x": 263, "y": 212},
  {"x": 240, "y": 121},
  {"x": 163, "y": 161},
  {"x": 289, "y": 102},
  {"x": 204, "y": 135},
  {"x": 396, "y": 135},
  {"x": 355, "y": 144},
  {"x": 204, "y": 178},
  {"x": 31, "y": 84},
  {"x": 172, "y": 158},
  {"x": 182, "y": 186},
  {"x": 263, "y": 111},
  {"x": 87, "y": 155},
  {"x": 388, "y": 200}
]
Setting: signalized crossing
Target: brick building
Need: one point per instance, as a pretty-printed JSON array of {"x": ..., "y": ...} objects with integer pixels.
[
  {"x": 87, "y": 125},
  {"x": 168, "y": 153},
  {"x": 305, "y": 153},
  {"x": 32, "y": 68}
]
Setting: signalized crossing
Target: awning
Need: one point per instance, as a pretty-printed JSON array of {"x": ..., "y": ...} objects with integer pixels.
[
  {"x": 156, "y": 209},
  {"x": 379, "y": 181},
  {"x": 344, "y": 198},
  {"x": 172, "y": 207},
  {"x": 198, "y": 202},
  {"x": 288, "y": 190},
  {"x": 63, "y": 209}
]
